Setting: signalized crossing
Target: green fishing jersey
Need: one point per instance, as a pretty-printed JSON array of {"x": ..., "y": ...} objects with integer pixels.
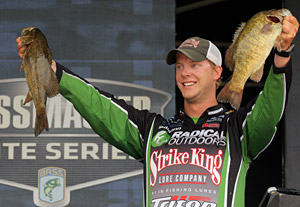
[{"x": 202, "y": 164}]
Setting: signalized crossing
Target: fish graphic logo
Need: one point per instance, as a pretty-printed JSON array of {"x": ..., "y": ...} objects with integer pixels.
[
  {"x": 49, "y": 186},
  {"x": 52, "y": 184}
]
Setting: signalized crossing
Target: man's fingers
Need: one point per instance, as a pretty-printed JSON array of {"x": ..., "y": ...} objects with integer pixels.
[
  {"x": 19, "y": 43},
  {"x": 21, "y": 51},
  {"x": 20, "y": 47},
  {"x": 293, "y": 20},
  {"x": 20, "y": 55},
  {"x": 290, "y": 26}
]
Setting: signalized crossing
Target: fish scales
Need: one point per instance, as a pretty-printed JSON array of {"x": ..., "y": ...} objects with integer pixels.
[
  {"x": 41, "y": 79},
  {"x": 249, "y": 50}
]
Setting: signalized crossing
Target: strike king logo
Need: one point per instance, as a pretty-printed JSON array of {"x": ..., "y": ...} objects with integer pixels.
[
  {"x": 51, "y": 186},
  {"x": 196, "y": 157}
]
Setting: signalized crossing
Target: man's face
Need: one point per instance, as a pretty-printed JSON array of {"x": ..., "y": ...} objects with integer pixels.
[{"x": 196, "y": 80}]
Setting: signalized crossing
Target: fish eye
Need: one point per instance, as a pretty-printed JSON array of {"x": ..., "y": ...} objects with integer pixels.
[{"x": 274, "y": 19}]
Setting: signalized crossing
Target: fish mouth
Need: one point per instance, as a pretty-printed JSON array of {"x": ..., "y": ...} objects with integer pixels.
[
  {"x": 27, "y": 44},
  {"x": 275, "y": 19}
]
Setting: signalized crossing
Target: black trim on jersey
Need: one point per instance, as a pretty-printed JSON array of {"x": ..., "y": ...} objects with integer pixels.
[
  {"x": 235, "y": 133},
  {"x": 289, "y": 72},
  {"x": 138, "y": 117}
]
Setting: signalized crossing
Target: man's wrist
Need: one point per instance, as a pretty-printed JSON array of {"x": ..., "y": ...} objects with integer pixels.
[{"x": 286, "y": 53}]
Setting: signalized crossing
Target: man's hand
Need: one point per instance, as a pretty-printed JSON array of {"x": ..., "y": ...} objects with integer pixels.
[
  {"x": 290, "y": 26},
  {"x": 21, "y": 49}
]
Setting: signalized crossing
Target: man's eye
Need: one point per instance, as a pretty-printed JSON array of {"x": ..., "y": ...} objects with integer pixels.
[
  {"x": 195, "y": 65},
  {"x": 178, "y": 67}
]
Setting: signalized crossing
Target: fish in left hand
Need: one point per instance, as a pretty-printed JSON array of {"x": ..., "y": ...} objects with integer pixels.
[{"x": 41, "y": 79}]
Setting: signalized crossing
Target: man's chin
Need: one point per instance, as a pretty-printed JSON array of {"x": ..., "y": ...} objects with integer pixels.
[{"x": 190, "y": 99}]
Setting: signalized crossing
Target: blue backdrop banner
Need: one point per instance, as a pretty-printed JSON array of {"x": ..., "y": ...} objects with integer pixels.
[{"x": 119, "y": 47}]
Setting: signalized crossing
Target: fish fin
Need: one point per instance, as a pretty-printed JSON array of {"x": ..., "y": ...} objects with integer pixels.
[
  {"x": 238, "y": 31},
  {"x": 224, "y": 94},
  {"x": 22, "y": 66},
  {"x": 277, "y": 43},
  {"x": 28, "y": 98},
  {"x": 266, "y": 29},
  {"x": 25, "y": 60},
  {"x": 53, "y": 87},
  {"x": 48, "y": 77},
  {"x": 229, "y": 60},
  {"x": 234, "y": 98},
  {"x": 257, "y": 75},
  {"x": 41, "y": 122}
]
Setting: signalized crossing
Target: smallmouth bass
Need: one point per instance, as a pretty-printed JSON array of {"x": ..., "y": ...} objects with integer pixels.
[
  {"x": 41, "y": 79},
  {"x": 246, "y": 56}
]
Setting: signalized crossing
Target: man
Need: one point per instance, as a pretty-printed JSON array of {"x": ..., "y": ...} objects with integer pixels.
[{"x": 199, "y": 157}]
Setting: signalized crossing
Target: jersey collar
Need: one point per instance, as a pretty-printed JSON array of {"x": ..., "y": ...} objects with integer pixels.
[{"x": 210, "y": 112}]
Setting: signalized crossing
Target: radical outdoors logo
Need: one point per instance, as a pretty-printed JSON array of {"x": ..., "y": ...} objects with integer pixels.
[
  {"x": 160, "y": 138},
  {"x": 70, "y": 145}
]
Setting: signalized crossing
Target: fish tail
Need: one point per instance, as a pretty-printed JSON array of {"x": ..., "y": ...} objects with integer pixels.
[
  {"x": 236, "y": 99},
  {"x": 41, "y": 121},
  {"x": 227, "y": 95}
]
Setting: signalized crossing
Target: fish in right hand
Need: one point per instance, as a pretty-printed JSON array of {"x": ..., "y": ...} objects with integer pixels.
[{"x": 246, "y": 56}]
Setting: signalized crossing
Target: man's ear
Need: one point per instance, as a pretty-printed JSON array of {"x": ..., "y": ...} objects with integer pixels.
[{"x": 218, "y": 72}]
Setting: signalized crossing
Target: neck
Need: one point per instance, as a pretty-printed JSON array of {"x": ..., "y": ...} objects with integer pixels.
[{"x": 197, "y": 109}]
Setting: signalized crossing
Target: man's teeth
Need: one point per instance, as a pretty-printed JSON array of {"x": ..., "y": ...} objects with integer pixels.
[{"x": 188, "y": 84}]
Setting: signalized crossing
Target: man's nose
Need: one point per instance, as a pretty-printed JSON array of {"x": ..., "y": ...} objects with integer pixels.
[{"x": 185, "y": 71}]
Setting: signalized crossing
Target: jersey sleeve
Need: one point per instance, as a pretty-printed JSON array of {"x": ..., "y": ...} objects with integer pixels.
[
  {"x": 117, "y": 122},
  {"x": 259, "y": 119}
]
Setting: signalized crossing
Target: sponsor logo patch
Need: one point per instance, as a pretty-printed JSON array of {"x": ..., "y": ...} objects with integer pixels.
[
  {"x": 51, "y": 186},
  {"x": 177, "y": 201},
  {"x": 160, "y": 138}
]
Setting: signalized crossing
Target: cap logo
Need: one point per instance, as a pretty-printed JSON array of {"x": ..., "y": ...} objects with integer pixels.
[{"x": 190, "y": 43}]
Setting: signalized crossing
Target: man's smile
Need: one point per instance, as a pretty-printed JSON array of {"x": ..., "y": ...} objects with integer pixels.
[{"x": 189, "y": 84}]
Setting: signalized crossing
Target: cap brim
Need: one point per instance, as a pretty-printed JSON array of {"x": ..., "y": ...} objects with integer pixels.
[
  {"x": 171, "y": 57},
  {"x": 191, "y": 54}
]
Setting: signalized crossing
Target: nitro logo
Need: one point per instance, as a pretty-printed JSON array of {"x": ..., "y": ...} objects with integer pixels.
[
  {"x": 183, "y": 201},
  {"x": 204, "y": 136},
  {"x": 196, "y": 157},
  {"x": 211, "y": 125}
]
